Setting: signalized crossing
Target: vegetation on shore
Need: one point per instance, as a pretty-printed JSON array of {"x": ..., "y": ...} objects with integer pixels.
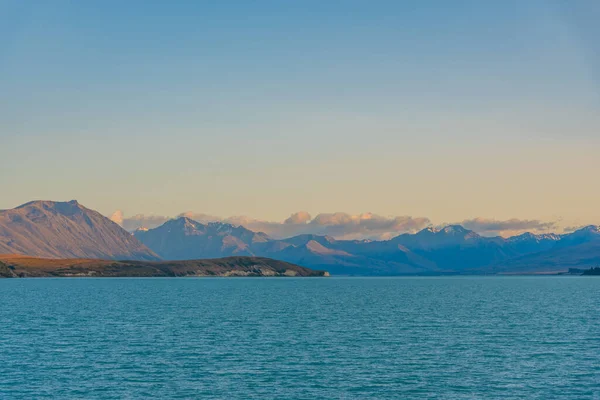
[
  {"x": 22, "y": 266},
  {"x": 5, "y": 271},
  {"x": 592, "y": 271}
]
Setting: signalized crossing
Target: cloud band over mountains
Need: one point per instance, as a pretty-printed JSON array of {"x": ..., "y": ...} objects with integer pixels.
[
  {"x": 339, "y": 225},
  {"x": 493, "y": 227},
  {"x": 342, "y": 225}
]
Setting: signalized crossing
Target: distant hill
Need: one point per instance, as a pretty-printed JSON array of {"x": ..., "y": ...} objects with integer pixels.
[
  {"x": 452, "y": 249},
  {"x": 185, "y": 239},
  {"x": 561, "y": 257},
  {"x": 21, "y": 266},
  {"x": 455, "y": 248},
  {"x": 592, "y": 272},
  {"x": 66, "y": 230}
]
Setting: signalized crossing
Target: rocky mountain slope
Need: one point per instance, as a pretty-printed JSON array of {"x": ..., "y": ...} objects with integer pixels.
[{"x": 66, "y": 230}]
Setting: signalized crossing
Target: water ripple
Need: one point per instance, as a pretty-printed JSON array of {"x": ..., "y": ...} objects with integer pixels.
[{"x": 337, "y": 338}]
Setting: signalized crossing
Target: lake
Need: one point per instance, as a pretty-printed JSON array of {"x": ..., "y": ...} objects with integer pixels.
[{"x": 300, "y": 338}]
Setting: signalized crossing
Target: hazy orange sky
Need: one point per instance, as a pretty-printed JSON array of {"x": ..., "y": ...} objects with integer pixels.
[{"x": 487, "y": 111}]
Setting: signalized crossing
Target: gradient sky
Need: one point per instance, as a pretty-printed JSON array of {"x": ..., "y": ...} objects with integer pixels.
[{"x": 437, "y": 109}]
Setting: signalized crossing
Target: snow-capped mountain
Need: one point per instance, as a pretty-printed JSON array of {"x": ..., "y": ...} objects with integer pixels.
[{"x": 432, "y": 250}]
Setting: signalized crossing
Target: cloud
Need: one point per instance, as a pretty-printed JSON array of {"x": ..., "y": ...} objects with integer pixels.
[
  {"x": 117, "y": 217},
  {"x": 199, "y": 217},
  {"x": 301, "y": 217},
  {"x": 342, "y": 225},
  {"x": 137, "y": 221},
  {"x": 510, "y": 227},
  {"x": 339, "y": 225},
  {"x": 372, "y": 226}
]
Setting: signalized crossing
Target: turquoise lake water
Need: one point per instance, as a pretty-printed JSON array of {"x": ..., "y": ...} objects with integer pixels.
[{"x": 289, "y": 338}]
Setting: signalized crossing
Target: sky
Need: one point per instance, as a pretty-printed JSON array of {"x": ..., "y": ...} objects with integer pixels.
[{"x": 406, "y": 113}]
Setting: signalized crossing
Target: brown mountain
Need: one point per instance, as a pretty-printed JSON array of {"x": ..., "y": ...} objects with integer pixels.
[
  {"x": 66, "y": 230},
  {"x": 13, "y": 266}
]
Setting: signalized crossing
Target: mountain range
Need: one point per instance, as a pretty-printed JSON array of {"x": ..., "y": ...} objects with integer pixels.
[
  {"x": 452, "y": 249},
  {"x": 69, "y": 230}
]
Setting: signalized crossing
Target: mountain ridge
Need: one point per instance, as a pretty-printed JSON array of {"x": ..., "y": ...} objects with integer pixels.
[
  {"x": 451, "y": 249},
  {"x": 53, "y": 229},
  {"x": 69, "y": 230}
]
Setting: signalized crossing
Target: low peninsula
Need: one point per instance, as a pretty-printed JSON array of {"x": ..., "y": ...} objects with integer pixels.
[{"x": 19, "y": 266}]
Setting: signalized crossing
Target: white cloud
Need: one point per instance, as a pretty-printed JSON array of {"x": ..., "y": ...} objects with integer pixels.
[
  {"x": 137, "y": 221},
  {"x": 117, "y": 217},
  {"x": 510, "y": 227},
  {"x": 339, "y": 225},
  {"x": 301, "y": 217},
  {"x": 342, "y": 225}
]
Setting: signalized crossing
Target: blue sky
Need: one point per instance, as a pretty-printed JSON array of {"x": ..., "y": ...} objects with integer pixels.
[{"x": 437, "y": 109}]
